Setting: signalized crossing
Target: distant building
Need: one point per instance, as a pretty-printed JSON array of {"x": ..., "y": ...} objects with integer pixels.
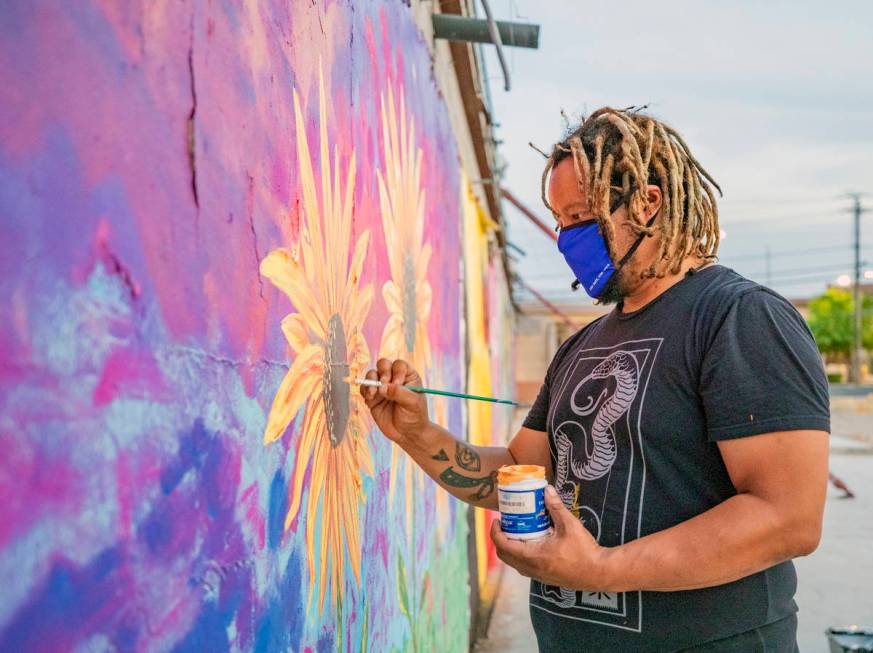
[{"x": 539, "y": 332}]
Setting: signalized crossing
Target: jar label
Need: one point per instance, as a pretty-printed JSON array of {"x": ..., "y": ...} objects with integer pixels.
[{"x": 523, "y": 511}]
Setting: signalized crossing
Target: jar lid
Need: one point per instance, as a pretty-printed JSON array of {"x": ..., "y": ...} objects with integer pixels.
[{"x": 509, "y": 474}]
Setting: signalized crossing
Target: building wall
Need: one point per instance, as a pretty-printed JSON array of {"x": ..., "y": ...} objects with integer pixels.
[
  {"x": 538, "y": 335},
  {"x": 211, "y": 214}
]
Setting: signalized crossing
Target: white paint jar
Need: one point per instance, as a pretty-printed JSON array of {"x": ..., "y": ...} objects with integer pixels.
[{"x": 522, "y": 501}]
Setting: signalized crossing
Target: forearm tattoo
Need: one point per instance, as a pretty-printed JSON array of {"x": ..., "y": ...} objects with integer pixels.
[
  {"x": 467, "y": 458},
  {"x": 484, "y": 483}
]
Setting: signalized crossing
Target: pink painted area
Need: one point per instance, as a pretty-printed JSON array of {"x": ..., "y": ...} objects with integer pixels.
[
  {"x": 35, "y": 483},
  {"x": 255, "y": 520},
  {"x": 132, "y": 374}
]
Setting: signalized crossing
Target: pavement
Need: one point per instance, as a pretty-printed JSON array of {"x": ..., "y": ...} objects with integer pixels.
[{"x": 835, "y": 584}]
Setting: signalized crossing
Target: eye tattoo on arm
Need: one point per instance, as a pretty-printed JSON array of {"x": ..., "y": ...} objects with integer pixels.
[
  {"x": 484, "y": 483},
  {"x": 467, "y": 458}
]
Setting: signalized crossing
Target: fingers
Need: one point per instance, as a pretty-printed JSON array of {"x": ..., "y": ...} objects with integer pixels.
[
  {"x": 399, "y": 368},
  {"x": 369, "y": 392},
  {"x": 383, "y": 368},
  {"x": 394, "y": 375},
  {"x": 522, "y": 556},
  {"x": 561, "y": 517},
  {"x": 402, "y": 395}
]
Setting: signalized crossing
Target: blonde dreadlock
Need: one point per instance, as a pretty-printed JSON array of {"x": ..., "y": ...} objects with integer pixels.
[{"x": 616, "y": 154}]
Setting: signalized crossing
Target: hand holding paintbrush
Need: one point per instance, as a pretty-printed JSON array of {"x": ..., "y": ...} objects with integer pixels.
[
  {"x": 372, "y": 383},
  {"x": 393, "y": 393},
  {"x": 398, "y": 412}
]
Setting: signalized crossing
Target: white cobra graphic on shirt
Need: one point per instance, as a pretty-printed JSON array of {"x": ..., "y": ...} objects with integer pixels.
[{"x": 622, "y": 367}]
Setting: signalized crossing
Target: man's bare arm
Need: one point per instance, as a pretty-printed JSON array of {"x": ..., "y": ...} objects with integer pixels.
[
  {"x": 469, "y": 472},
  {"x": 776, "y": 515},
  {"x": 466, "y": 471}
]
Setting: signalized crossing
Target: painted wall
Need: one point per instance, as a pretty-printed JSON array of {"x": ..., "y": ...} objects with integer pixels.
[
  {"x": 211, "y": 214},
  {"x": 490, "y": 360}
]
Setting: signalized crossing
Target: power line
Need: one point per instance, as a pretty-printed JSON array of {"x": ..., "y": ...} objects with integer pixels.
[
  {"x": 796, "y": 272},
  {"x": 791, "y": 252},
  {"x": 770, "y": 199},
  {"x": 759, "y": 217}
]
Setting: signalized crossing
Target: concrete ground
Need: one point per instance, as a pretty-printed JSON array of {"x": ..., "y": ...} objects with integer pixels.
[{"x": 835, "y": 584}]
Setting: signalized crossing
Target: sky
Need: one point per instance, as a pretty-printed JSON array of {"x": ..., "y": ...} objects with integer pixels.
[{"x": 775, "y": 99}]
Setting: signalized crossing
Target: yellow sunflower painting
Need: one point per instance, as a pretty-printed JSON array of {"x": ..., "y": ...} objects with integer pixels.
[
  {"x": 408, "y": 293},
  {"x": 325, "y": 336}
]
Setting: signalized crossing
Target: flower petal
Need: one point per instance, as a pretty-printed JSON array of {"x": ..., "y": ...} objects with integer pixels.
[
  {"x": 392, "y": 345},
  {"x": 296, "y": 331},
  {"x": 358, "y": 257},
  {"x": 423, "y": 298},
  {"x": 326, "y": 504},
  {"x": 316, "y": 492},
  {"x": 296, "y": 388},
  {"x": 287, "y": 275},
  {"x": 359, "y": 352},
  {"x": 313, "y": 427},
  {"x": 391, "y": 295},
  {"x": 359, "y": 307},
  {"x": 351, "y": 528}
]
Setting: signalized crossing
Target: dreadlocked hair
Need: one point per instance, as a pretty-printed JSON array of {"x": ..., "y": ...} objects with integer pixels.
[{"x": 616, "y": 154}]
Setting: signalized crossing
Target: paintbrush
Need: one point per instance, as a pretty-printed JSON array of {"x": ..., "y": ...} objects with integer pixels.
[{"x": 430, "y": 391}]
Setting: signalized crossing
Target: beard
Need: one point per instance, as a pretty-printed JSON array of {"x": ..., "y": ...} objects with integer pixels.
[{"x": 614, "y": 291}]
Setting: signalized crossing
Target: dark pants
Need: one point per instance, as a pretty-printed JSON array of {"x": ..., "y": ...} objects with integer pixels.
[{"x": 778, "y": 637}]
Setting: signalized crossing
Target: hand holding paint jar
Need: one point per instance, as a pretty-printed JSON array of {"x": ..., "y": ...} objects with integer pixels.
[{"x": 522, "y": 502}]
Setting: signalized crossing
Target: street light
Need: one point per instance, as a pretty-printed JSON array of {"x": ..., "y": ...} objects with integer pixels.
[{"x": 844, "y": 281}]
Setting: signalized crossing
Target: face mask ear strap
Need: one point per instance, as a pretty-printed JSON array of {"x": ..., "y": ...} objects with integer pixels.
[{"x": 637, "y": 243}]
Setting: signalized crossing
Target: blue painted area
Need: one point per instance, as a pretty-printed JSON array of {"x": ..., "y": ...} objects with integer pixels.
[
  {"x": 200, "y": 512},
  {"x": 126, "y": 636},
  {"x": 209, "y": 633},
  {"x": 277, "y": 509},
  {"x": 193, "y": 449},
  {"x": 157, "y": 528},
  {"x": 281, "y": 624},
  {"x": 69, "y": 597},
  {"x": 218, "y": 493},
  {"x": 325, "y": 643}
]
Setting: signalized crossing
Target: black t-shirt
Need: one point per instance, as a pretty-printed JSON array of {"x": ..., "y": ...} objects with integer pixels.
[{"x": 634, "y": 405}]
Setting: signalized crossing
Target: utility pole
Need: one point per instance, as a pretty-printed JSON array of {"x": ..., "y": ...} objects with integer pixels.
[{"x": 856, "y": 244}]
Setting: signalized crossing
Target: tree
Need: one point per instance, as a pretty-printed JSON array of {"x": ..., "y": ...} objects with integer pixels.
[{"x": 832, "y": 320}]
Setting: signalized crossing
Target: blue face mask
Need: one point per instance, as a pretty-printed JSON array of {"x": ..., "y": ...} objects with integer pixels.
[{"x": 586, "y": 253}]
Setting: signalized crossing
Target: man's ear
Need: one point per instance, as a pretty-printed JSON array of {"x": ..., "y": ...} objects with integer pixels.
[{"x": 654, "y": 199}]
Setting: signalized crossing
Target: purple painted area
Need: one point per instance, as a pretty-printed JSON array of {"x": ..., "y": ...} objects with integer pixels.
[{"x": 148, "y": 163}]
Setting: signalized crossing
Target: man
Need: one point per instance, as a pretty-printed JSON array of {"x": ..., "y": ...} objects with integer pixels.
[{"x": 685, "y": 433}]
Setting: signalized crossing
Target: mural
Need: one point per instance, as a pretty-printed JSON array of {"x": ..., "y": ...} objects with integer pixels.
[
  {"x": 408, "y": 293},
  {"x": 211, "y": 214},
  {"x": 329, "y": 346},
  {"x": 490, "y": 356}
]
